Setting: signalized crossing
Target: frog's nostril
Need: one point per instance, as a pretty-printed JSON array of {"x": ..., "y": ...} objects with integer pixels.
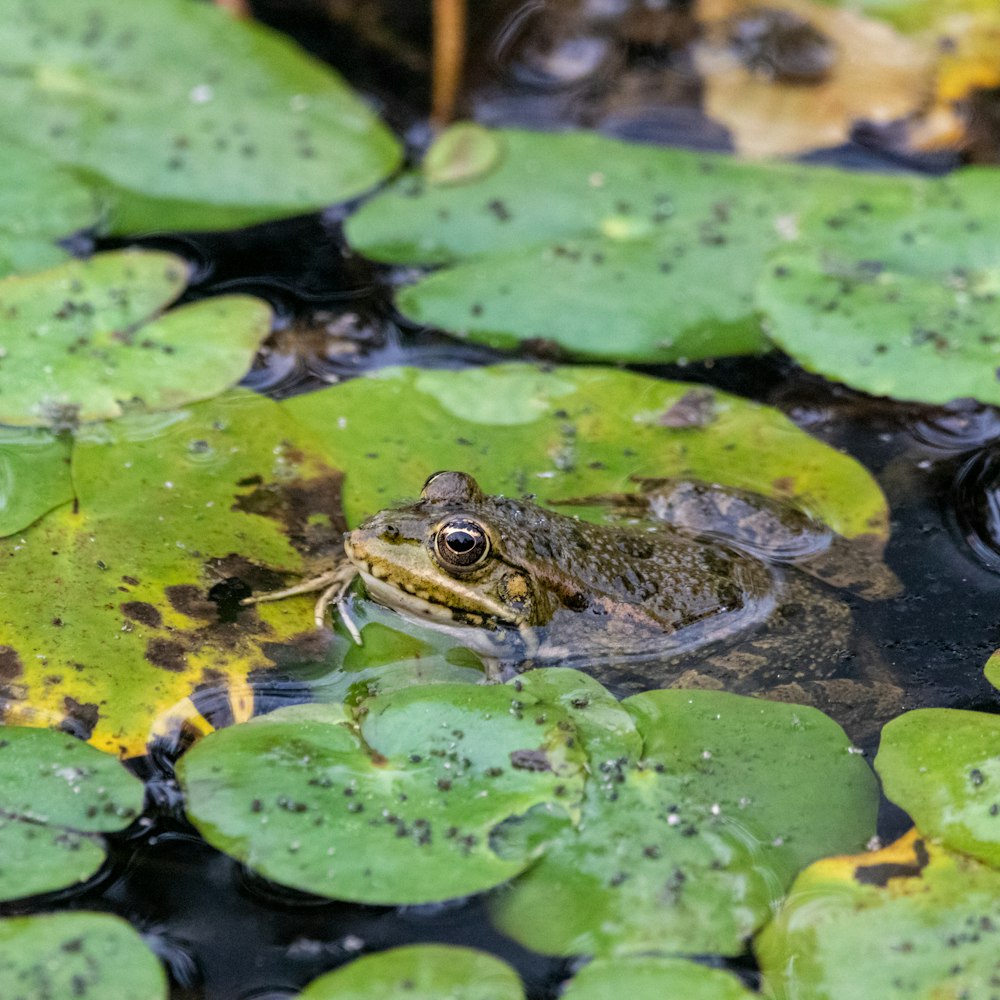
[{"x": 390, "y": 533}]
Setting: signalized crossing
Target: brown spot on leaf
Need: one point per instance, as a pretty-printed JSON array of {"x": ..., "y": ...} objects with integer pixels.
[
  {"x": 81, "y": 718},
  {"x": 142, "y": 612},
  {"x": 695, "y": 408},
  {"x": 187, "y": 599},
  {"x": 166, "y": 654},
  {"x": 530, "y": 760},
  {"x": 11, "y": 666}
]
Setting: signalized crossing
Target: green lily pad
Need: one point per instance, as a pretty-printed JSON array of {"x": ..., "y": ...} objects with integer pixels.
[
  {"x": 40, "y": 203},
  {"x": 893, "y": 291},
  {"x": 681, "y": 852},
  {"x": 86, "y": 956},
  {"x": 910, "y": 921},
  {"x": 84, "y": 340},
  {"x": 605, "y": 249},
  {"x": 788, "y": 769},
  {"x": 571, "y": 432},
  {"x": 404, "y": 801},
  {"x": 169, "y": 506},
  {"x": 942, "y": 766},
  {"x": 190, "y": 118},
  {"x": 653, "y": 979},
  {"x": 992, "y": 669},
  {"x": 34, "y": 475},
  {"x": 56, "y": 796},
  {"x": 419, "y": 972}
]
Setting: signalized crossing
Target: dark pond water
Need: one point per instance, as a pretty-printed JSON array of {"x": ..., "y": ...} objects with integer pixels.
[{"x": 227, "y": 935}]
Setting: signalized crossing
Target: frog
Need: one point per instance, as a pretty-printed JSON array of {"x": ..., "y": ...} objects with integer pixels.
[{"x": 638, "y": 604}]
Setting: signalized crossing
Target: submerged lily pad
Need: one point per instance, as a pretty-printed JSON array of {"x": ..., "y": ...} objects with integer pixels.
[
  {"x": 34, "y": 475},
  {"x": 682, "y": 851},
  {"x": 84, "y": 340},
  {"x": 190, "y": 118},
  {"x": 56, "y": 796},
  {"x": 419, "y": 972},
  {"x": 40, "y": 203},
  {"x": 86, "y": 956},
  {"x": 652, "y": 978},
  {"x": 169, "y": 508},
  {"x": 912, "y": 920},
  {"x": 605, "y": 249},
  {"x": 571, "y": 432},
  {"x": 942, "y": 766},
  {"x": 893, "y": 291},
  {"x": 405, "y": 800}
]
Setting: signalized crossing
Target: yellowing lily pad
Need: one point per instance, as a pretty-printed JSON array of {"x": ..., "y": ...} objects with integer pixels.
[
  {"x": 573, "y": 432},
  {"x": 683, "y": 850},
  {"x": 912, "y": 920},
  {"x": 405, "y": 800},
  {"x": 85, "y": 340},
  {"x": 56, "y": 796},
  {"x": 188, "y": 118},
  {"x": 86, "y": 956},
  {"x": 419, "y": 972},
  {"x": 593, "y": 246},
  {"x": 943, "y": 767},
  {"x": 116, "y": 608}
]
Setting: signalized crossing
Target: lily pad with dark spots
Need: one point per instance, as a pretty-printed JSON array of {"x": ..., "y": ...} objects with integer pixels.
[
  {"x": 86, "y": 340},
  {"x": 942, "y": 766},
  {"x": 57, "y": 796},
  {"x": 911, "y": 920},
  {"x": 242, "y": 127},
  {"x": 86, "y": 956},
  {"x": 419, "y": 972},
  {"x": 118, "y": 608},
  {"x": 407, "y": 799}
]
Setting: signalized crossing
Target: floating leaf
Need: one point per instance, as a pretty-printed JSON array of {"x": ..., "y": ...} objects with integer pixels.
[
  {"x": 653, "y": 979},
  {"x": 912, "y": 920},
  {"x": 86, "y": 956},
  {"x": 84, "y": 340},
  {"x": 601, "y": 248},
  {"x": 169, "y": 507},
  {"x": 56, "y": 795},
  {"x": 462, "y": 153},
  {"x": 942, "y": 766},
  {"x": 40, "y": 203},
  {"x": 788, "y": 769},
  {"x": 242, "y": 128},
  {"x": 34, "y": 476},
  {"x": 419, "y": 972},
  {"x": 686, "y": 850},
  {"x": 405, "y": 801},
  {"x": 571, "y": 432},
  {"x": 992, "y": 669}
]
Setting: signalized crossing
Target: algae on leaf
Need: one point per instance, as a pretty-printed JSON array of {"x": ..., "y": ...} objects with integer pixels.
[
  {"x": 912, "y": 920},
  {"x": 86, "y": 956},
  {"x": 185, "y": 117},
  {"x": 87, "y": 339},
  {"x": 57, "y": 795}
]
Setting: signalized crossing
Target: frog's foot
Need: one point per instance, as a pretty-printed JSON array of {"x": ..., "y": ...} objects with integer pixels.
[{"x": 332, "y": 585}]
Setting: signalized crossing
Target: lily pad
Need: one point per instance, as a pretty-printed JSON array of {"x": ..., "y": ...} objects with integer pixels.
[
  {"x": 992, "y": 669},
  {"x": 40, "y": 203},
  {"x": 910, "y": 921},
  {"x": 402, "y": 801},
  {"x": 653, "y": 979},
  {"x": 34, "y": 475},
  {"x": 56, "y": 796},
  {"x": 419, "y": 972},
  {"x": 570, "y": 432},
  {"x": 169, "y": 508},
  {"x": 84, "y": 340},
  {"x": 604, "y": 249},
  {"x": 87, "y": 956},
  {"x": 894, "y": 292},
  {"x": 189, "y": 118},
  {"x": 942, "y": 766},
  {"x": 682, "y": 852}
]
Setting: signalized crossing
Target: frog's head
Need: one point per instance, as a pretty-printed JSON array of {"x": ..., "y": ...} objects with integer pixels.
[{"x": 443, "y": 558}]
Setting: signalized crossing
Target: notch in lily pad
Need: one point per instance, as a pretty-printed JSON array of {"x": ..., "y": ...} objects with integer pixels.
[
  {"x": 57, "y": 796},
  {"x": 89, "y": 339}
]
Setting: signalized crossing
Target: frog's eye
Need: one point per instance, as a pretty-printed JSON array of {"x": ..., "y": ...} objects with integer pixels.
[{"x": 461, "y": 544}]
